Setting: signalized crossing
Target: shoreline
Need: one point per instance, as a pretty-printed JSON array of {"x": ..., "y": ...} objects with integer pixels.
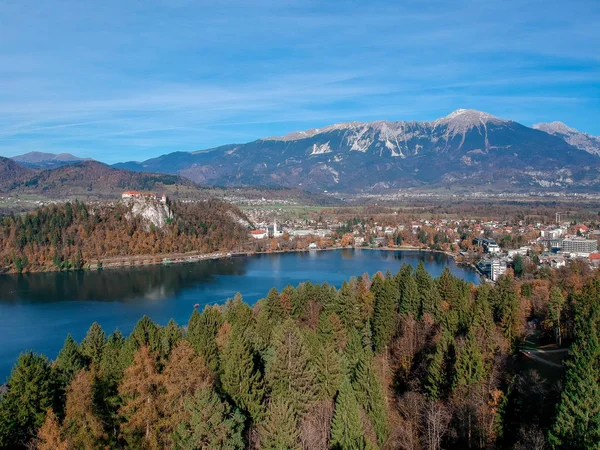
[{"x": 118, "y": 262}]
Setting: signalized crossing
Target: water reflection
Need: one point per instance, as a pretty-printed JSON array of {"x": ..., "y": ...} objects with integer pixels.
[{"x": 151, "y": 282}]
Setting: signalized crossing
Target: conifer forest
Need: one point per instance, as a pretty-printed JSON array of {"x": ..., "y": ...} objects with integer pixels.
[{"x": 389, "y": 361}]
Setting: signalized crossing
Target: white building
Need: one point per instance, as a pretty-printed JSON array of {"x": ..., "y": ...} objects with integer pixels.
[
  {"x": 552, "y": 233},
  {"x": 492, "y": 248},
  {"x": 258, "y": 234},
  {"x": 579, "y": 246},
  {"x": 276, "y": 231}
]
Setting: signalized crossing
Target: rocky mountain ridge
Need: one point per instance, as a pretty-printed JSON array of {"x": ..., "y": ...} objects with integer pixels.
[
  {"x": 465, "y": 150},
  {"x": 582, "y": 141}
]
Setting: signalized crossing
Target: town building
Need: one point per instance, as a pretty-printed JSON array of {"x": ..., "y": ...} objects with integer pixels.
[
  {"x": 579, "y": 246},
  {"x": 552, "y": 233},
  {"x": 492, "y": 268},
  {"x": 258, "y": 234}
]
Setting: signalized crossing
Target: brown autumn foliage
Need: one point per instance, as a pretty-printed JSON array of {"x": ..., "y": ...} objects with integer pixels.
[
  {"x": 49, "y": 436},
  {"x": 70, "y": 236},
  {"x": 141, "y": 390},
  {"x": 81, "y": 423},
  {"x": 184, "y": 373}
]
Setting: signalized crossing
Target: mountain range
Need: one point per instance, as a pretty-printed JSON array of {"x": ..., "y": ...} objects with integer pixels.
[{"x": 466, "y": 150}]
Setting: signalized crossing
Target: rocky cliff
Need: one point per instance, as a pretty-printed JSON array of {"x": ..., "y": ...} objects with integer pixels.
[{"x": 152, "y": 211}]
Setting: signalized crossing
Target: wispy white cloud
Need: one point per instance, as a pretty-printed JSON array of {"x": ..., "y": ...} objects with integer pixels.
[{"x": 131, "y": 80}]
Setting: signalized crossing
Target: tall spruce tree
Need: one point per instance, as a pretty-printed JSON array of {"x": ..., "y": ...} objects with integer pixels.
[
  {"x": 346, "y": 428},
  {"x": 213, "y": 424},
  {"x": 145, "y": 333},
  {"x": 346, "y": 305},
  {"x": 577, "y": 423},
  {"x": 384, "y": 314},
  {"x": 506, "y": 307},
  {"x": 93, "y": 344},
  {"x": 273, "y": 307},
  {"x": 69, "y": 361},
  {"x": 328, "y": 370},
  {"x": 469, "y": 367},
  {"x": 409, "y": 295},
  {"x": 369, "y": 393},
  {"x": 290, "y": 375},
  {"x": 241, "y": 376},
  {"x": 32, "y": 391},
  {"x": 169, "y": 337},
  {"x": 279, "y": 430},
  {"x": 202, "y": 333}
]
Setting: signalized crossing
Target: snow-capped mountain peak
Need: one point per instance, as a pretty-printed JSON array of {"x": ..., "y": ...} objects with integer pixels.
[{"x": 467, "y": 116}]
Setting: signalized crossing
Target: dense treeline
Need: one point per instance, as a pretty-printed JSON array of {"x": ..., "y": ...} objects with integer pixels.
[
  {"x": 397, "y": 361},
  {"x": 72, "y": 235}
]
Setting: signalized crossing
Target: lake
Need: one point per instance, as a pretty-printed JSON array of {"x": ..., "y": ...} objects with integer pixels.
[{"x": 38, "y": 310}]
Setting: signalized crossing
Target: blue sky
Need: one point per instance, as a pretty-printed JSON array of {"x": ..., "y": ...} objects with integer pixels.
[{"x": 130, "y": 80}]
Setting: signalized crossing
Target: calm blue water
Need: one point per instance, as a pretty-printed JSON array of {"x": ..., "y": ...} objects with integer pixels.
[{"x": 37, "y": 311}]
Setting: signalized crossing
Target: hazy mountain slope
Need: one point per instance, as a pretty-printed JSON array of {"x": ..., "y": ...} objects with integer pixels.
[
  {"x": 41, "y": 160},
  {"x": 467, "y": 149},
  {"x": 12, "y": 173},
  {"x": 90, "y": 178}
]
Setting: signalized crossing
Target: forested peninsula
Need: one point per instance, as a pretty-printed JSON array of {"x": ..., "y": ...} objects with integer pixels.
[
  {"x": 74, "y": 235},
  {"x": 391, "y": 361}
]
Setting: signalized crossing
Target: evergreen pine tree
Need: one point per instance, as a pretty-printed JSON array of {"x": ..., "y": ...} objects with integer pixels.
[
  {"x": 213, "y": 424},
  {"x": 577, "y": 422},
  {"x": 328, "y": 371},
  {"x": 241, "y": 378},
  {"x": 436, "y": 380},
  {"x": 273, "y": 307},
  {"x": 447, "y": 287},
  {"x": 369, "y": 393},
  {"x": 202, "y": 332},
  {"x": 169, "y": 337},
  {"x": 331, "y": 329},
  {"x": 409, "y": 296},
  {"x": 290, "y": 375},
  {"x": 346, "y": 427},
  {"x": 353, "y": 352},
  {"x": 431, "y": 303},
  {"x": 145, "y": 333},
  {"x": 32, "y": 391},
  {"x": 555, "y": 307},
  {"x": 423, "y": 280},
  {"x": 384, "y": 314},
  {"x": 238, "y": 313},
  {"x": 346, "y": 306},
  {"x": 279, "y": 430},
  {"x": 69, "y": 361},
  {"x": 469, "y": 367},
  {"x": 93, "y": 344},
  {"x": 110, "y": 364}
]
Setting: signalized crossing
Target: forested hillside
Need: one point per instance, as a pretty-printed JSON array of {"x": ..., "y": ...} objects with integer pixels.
[
  {"x": 394, "y": 361},
  {"x": 72, "y": 235},
  {"x": 86, "y": 179}
]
